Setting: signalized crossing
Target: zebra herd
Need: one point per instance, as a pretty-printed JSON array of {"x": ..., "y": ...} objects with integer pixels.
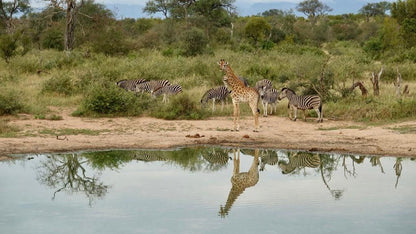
[
  {"x": 154, "y": 87},
  {"x": 268, "y": 95}
]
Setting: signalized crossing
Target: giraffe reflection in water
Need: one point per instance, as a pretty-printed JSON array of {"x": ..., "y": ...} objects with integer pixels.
[{"x": 240, "y": 180}]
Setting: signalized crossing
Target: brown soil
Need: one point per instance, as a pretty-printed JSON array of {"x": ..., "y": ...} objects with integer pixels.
[{"x": 151, "y": 133}]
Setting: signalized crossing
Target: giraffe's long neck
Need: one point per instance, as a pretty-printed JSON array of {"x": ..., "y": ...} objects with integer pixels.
[
  {"x": 238, "y": 188},
  {"x": 231, "y": 79},
  {"x": 235, "y": 192}
]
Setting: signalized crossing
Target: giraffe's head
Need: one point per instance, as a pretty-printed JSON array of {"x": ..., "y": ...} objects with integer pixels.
[{"x": 223, "y": 64}]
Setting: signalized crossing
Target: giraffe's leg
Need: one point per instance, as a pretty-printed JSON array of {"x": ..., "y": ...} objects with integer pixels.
[
  {"x": 238, "y": 117},
  {"x": 254, "y": 109},
  {"x": 235, "y": 105},
  {"x": 236, "y": 160}
]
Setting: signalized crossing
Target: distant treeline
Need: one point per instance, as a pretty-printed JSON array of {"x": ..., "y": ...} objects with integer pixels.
[{"x": 192, "y": 27}]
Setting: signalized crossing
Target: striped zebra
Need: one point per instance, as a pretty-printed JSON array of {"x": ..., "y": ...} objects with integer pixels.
[
  {"x": 263, "y": 83},
  {"x": 130, "y": 85},
  {"x": 216, "y": 157},
  {"x": 167, "y": 91},
  {"x": 146, "y": 157},
  {"x": 219, "y": 93},
  {"x": 151, "y": 86},
  {"x": 244, "y": 80},
  {"x": 268, "y": 96},
  {"x": 269, "y": 158},
  {"x": 299, "y": 160},
  {"x": 305, "y": 102}
]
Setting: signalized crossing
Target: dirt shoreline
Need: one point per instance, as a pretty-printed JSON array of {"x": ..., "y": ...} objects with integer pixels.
[{"x": 150, "y": 133}]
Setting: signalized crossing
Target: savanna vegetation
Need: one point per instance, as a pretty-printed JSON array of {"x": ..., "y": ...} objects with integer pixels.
[{"x": 70, "y": 54}]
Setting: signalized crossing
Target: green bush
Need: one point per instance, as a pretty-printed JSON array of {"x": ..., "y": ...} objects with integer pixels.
[
  {"x": 110, "y": 42},
  {"x": 194, "y": 42},
  {"x": 179, "y": 107},
  {"x": 374, "y": 47},
  {"x": 61, "y": 84},
  {"x": 8, "y": 46},
  {"x": 53, "y": 39},
  {"x": 10, "y": 102},
  {"x": 112, "y": 100}
]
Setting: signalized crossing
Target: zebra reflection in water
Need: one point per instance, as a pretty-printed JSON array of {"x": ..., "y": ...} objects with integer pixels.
[
  {"x": 268, "y": 157},
  {"x": 299, "y": 160},
  {"x": 216, "y": 158}
]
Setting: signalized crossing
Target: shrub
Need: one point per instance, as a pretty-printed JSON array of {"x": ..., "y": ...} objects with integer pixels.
[
  {"x": 8, "y": 46},
  {"x": 53, "y": 39},
  {"x": 194, "y": 42},
  {"x": 110, "y": 42},
  {"x": 180, "y": 107},
  {"x": 374, "y": 47},
  {"x": 112, "y": 101},
  {"x": 61, "y": 84},
  {"x": 10, "y": 102}
]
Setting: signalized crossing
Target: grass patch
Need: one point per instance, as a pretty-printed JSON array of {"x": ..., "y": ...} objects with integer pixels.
[
  {"x": 8, "y": 131},
  {"x": 406, "y": 129},
  {"x": 342, "y": 127},
  {"x": 71, "y": 131}
]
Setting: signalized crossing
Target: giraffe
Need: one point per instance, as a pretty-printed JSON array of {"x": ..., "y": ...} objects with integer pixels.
[
  {"x": 240, "y": 93},
  {"x": 241, "y": 180}
]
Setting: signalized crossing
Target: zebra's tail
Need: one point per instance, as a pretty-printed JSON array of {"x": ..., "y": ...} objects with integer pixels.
[{"x": 258, "y": 110}]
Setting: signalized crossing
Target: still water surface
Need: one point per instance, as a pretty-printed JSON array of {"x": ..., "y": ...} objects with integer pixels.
[{"x": 207, "y": 190}]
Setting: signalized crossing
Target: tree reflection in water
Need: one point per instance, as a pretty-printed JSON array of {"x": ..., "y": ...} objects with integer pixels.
[
  {"x": 80, "y": 172},
  {"x": 68, "y": 173}
]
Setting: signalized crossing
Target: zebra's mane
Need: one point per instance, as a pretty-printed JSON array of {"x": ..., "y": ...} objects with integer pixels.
[{"x": 291, "y": 90}]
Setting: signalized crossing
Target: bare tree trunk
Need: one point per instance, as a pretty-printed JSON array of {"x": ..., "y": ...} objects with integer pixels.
[
  {"x": 71, "y": 13},
  {"x": 375, "y": 80},
  {"x": 361, "y": 86},
  {"x": 398, "y": 83}
]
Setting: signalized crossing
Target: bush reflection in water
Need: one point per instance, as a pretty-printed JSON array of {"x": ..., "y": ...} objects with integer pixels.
[{"x": 80, "y": 172}]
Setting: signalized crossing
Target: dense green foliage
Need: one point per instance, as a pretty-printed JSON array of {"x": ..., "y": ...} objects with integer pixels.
[{"x": 322, "y": 54}]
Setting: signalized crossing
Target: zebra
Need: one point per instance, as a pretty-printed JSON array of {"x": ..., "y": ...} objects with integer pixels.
[
  {"x": 263, "y": 83},
  {"x": 305, "y": 102},
  {"x": 244, "y": 80},
  {"x": 267, "y": 157},
  {"x": 299, "y": 160},
  {"x": 130, "y": 85},
  {"x": 167, "y": 90},
  {"x": 146, "y": 157},
  {"x": 219, "y": 93},
  {"x": 216, "y": 157},
  {"x": 151, "y": 86},
  {"x": 268, "y": 96}
]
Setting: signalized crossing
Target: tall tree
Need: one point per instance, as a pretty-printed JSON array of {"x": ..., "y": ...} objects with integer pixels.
[
  {"x": 375, "y": 9},
  {"x": 405, "y": 14},
  {"x": 402, "y": 10},
  {"x": 9, "y": 8},
  {"x": 155, "y": 6},
  {"x": 313, "y": 9},
  {"x": 257, "y": 29},
  {"x": 71, "y": 7}
]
